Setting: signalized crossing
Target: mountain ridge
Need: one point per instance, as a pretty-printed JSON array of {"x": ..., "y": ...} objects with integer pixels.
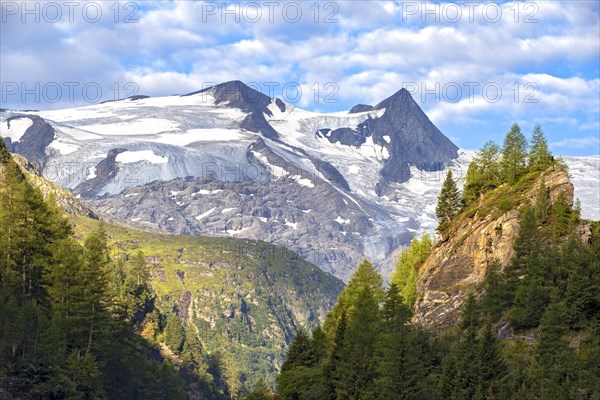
[{"x": 333, "y": 187}]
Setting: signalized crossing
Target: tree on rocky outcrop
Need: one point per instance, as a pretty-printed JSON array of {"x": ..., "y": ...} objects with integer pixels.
[
  {"x": 483, "y": 173},
  {"x": 449, "y": 203},
  {"x": 540, "y": 157},
  {"x": 514, "y": 155}
]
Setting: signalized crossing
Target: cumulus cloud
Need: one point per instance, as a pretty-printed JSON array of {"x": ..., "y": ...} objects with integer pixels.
[{"x": 367, "y": 49}]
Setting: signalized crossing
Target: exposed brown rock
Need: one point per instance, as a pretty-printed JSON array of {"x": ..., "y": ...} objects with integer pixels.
[{"x": 462, "y": 260}]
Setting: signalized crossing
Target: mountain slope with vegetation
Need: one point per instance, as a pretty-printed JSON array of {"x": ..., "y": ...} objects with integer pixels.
[
  {"x": 529, "y": 328},
  {"x": 216, "y": 312},
  {"x": 63, "y": 334},
  {"x": 244, "y": 300}
]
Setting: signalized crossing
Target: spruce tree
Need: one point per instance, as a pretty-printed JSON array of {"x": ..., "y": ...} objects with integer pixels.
[
  {"x": 356, "y": 369},
  {"x": 491, "y": 365},
  {"x": 449, "y": 203},
  {"x": 174, "y": 334},
  {"x": 554, "y": 362},
  {"x": 96, "y": 262},
  {"x": 542, "y": 203},
  {"x": 528, "y": 238},
  {"x": 540, "y": 157},
  {"x": 473, "y": 185},
  {"x": 400, "y": 371},
  {"x": 260, "y": 391},
  {"x": 333, "y": 363},
  {"x": 561, "y": 215},
  {"x": 299, "y": 353},
  {"x": 514, "y": 155}
]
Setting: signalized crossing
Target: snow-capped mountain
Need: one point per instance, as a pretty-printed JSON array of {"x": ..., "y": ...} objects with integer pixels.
[{"x": 231, "y": 161}]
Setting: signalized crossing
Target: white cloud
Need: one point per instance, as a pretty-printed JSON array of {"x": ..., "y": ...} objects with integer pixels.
[
  {"x": 369, "y": 54},
  {"x": 589, "y": 142}
]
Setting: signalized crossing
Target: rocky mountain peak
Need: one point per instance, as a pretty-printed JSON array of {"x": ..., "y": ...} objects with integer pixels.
[
  {"x": 236, "y": 94},
  {"x": 397, "y": 100}
]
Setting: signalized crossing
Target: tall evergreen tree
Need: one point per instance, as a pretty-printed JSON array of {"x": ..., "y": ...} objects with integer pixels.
[
  {"x": 540, "y": 157},
  {"x": 400, "y": 372},
  {"x": 174, "y": 333},
  {"x": 514, "y": 155},
  {"x": 449, "y": 202},
  {"x": 357, "y": 368},
  {"x": 365, "y": 276},
  {"x": 299, "y": 353},
  {"x": 542, "y": 203},
  {"x": 561, "y": 215},
  {"x": 483, "y": 173}
]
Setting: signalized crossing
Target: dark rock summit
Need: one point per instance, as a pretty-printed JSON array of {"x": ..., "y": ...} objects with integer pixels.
[
  {"x": 236, "y": 94},
  {"x": 407, "y": 134},
  {"x": 32, "y": 145},
  {"x": 361, "y": 108}
]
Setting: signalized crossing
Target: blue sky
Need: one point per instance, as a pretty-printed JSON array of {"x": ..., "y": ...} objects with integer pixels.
[{"x": 474, "y": 68}]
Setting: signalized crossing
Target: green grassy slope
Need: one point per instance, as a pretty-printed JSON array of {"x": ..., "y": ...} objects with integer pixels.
[{"x": 245, "y": 298}]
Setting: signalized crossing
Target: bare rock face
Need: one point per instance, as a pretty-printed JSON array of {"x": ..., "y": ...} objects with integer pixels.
[
  {"x": 557, "y": 181},
  {"x": 462, "y": 261}
]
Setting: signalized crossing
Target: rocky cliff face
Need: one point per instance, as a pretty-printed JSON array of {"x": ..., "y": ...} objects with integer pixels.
[{"x": 481, "y": 235}]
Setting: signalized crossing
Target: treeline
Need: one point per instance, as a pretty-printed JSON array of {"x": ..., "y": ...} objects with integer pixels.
[
  {"x": 530, "y": 331},
  {"x": 492, "y": 167},
  {"x": 71, "y": 315}
]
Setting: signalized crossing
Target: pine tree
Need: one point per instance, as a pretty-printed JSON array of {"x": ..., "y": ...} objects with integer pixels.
[
  {"x": 491, "y": 366},
  {"x": 299, "y": 353},
  {"x": 542, "y": 203},
  {"x": 449, "y": 203},
  {"x": 460, "y": 373},
  {"x": 96, "y": 261},
  {"x": 174, "y": 333},
  {"x": 527, "y": 241},
  {"x": 333, "y": 363},
  {"x": 320, "y": 345},
  {"x": 561, "y": 215},
  {"x": 497, "y": 293},
  {"x": 514, "y": 155},
  {"x": 553, "y": 369},
  {"x": 473, "y": 184},
  {"x": 483, "y": 173},
  {"x": 540, "y": 157},
  {"x": 139, "y": 273},
  {"x": 260, "y": 391},
  {"x": 400, "y": 369},
  {"x": 191, "y": 352},
  {"x": 356, "y": 370}
]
